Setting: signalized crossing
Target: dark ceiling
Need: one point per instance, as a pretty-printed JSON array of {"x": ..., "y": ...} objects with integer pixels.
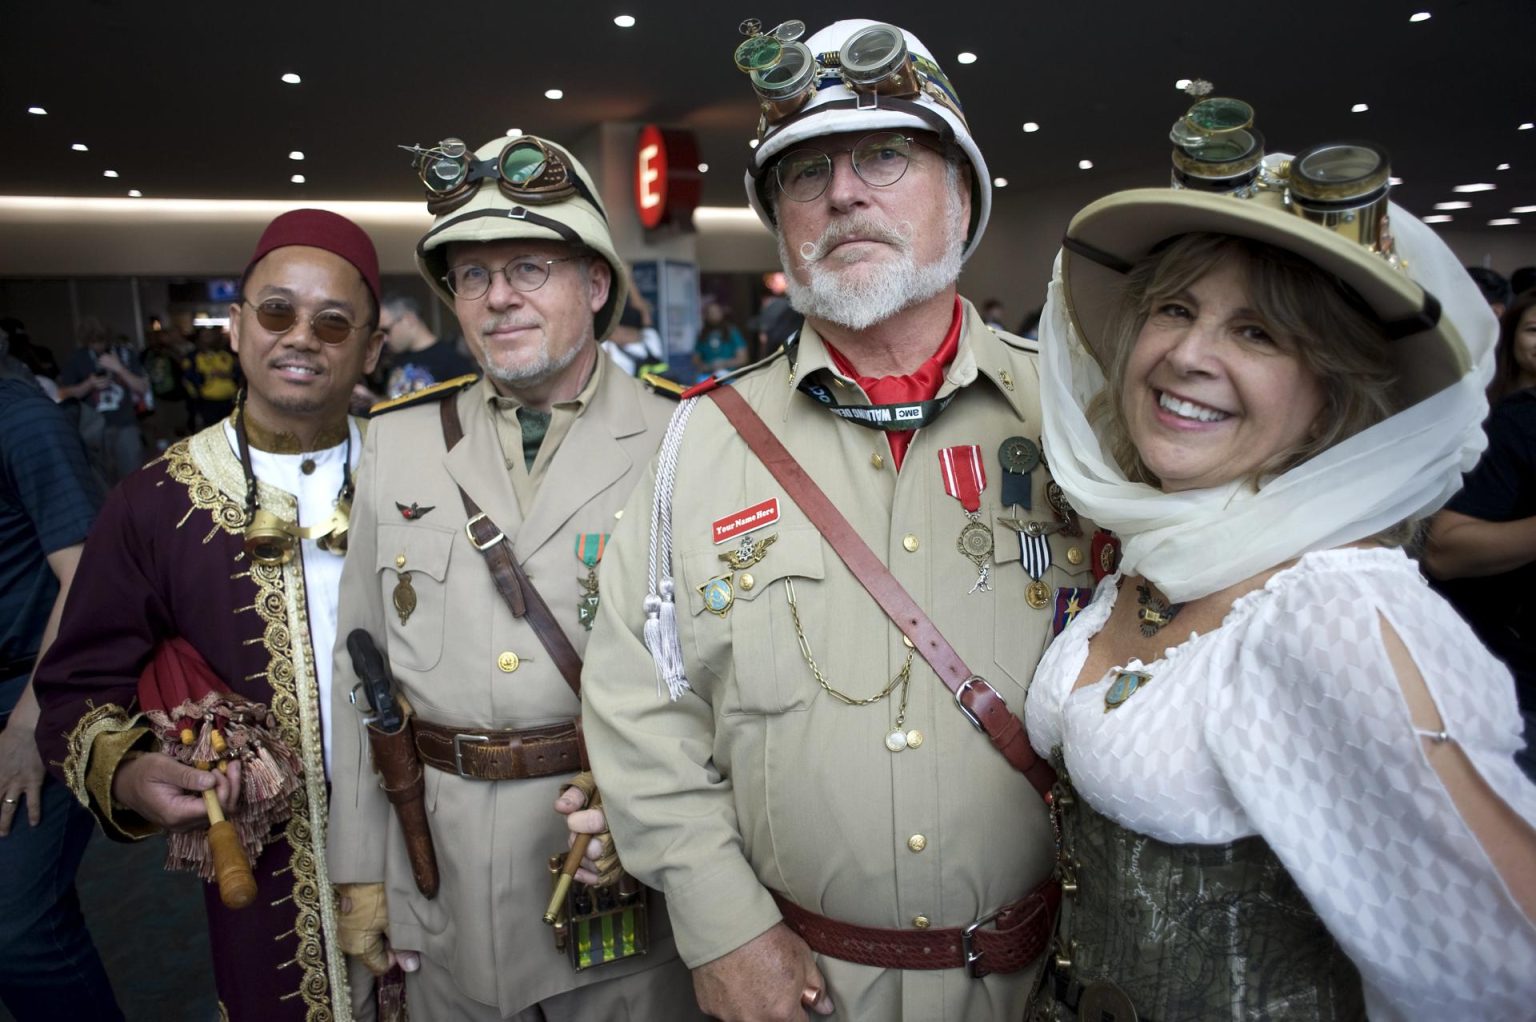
[{"x": 183, "y": 99}]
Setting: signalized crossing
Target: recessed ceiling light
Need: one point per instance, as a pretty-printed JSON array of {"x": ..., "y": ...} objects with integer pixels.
[
  {"x": 297, "y": 179},
  {"x": 1359, "y": 108},
  {"x": 703, "y": 168},
  {"x": 1439, "y": 218},
  {"x": 1084, "y": 164},
  {"x": 1502, "y": 166},
  {"x": 967, "y": 57},
  {"x": 1394, "y": 181},
  {"x": 1528, "y": 125},
  {"x": 295, "y": 155},
  {"x": 1522, "y": 209},
  {"x": 514, "y": 132},
  {"x": 81, "y": 147},
  {"x": 554, "y": 94},
  {"x": 1479, "y": 186},
  {"x": 999, "y": 182},
  {"x": 1453, "y": 205},
  {"x": 1181, "y": 84},
  {"x": 134, "y": 193},
  {"x": 291, "y": 78},
  {"x": 39, "y": 111},
  {"x": 109, "y": 173},
  {"x": 1504, "y": 221},
  {"x": 1030, "y": 127},
  {"x": 624, "y": 20},
  {"x": 752, "y": 143},
  {"x": 1420, "y": 16}
]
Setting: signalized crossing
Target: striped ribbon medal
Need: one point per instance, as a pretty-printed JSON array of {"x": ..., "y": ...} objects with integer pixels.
[
  {"x": 965, "y": 477},
  {"x": 589, "y": 550},
  {"x": 1035, "y": 554}
]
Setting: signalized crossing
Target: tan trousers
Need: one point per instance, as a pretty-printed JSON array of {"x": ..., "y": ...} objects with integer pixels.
[{"x": 661, "y": 994}]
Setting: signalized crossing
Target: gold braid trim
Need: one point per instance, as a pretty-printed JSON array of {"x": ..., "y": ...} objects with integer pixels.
[
  {"x": 96, "y": 745},
  {"x": 215, "y": 482}
]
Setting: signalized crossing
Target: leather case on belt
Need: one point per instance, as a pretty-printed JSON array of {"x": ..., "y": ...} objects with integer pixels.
[{"x": 394, "y": 757}]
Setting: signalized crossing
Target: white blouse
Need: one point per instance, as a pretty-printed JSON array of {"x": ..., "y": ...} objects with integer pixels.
[{"x": 1288, "y": 721}]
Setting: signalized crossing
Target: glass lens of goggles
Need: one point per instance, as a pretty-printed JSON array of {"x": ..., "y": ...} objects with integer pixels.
[
  {"x": 526, "y": 170},
  {"x": 880, "y": 159},
  {"x": 278, "y": 316},
  {"x": 1216, "y": 147},
  {"x": 784, "y": 72}
]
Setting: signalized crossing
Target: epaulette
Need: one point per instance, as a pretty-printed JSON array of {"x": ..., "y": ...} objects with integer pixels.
[
  {"x": 426, "y": 395},
  {"x": 663, "y": 387},
  {"x": 1018, "y": 343},
  {"x": 705, "y": 386}
]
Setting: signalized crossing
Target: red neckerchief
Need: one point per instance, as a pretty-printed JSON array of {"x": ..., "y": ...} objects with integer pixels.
[{"x": 920, "y": 385}]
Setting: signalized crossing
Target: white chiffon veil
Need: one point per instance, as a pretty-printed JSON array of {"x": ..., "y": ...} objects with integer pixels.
[{"x": 1194, "y": 543}]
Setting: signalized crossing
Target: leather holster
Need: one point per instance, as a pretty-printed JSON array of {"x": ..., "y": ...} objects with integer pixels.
[{"x": 395, "y": 759}]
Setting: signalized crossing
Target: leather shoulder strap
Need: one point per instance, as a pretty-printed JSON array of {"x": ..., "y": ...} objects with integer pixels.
[
  {"x": 978, "y": 700},
  {"x": 511, "y": 582}
]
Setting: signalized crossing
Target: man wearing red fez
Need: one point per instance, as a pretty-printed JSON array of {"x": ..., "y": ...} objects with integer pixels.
[{"x": 200, "y": 628}]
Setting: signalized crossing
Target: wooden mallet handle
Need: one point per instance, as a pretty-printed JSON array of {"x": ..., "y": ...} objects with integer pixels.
[{"x": 237, "y": 884}]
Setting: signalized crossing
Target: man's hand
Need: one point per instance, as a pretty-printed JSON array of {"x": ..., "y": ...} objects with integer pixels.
[
  {"x": 170, "y": 794},
  {"x": 362, "y": 925},
  {"x": 111, "y": 363},
  {"x": 21, "y": 775},
  {"x": 600, "y": 866},
  {"x": 770, "y": 978}
]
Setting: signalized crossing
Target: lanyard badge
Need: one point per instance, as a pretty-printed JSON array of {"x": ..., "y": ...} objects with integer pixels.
[{"x": 965, "y": 477}]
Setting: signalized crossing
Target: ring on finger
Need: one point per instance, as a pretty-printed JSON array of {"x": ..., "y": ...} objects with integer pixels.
[{"x": 9, "y": 801}]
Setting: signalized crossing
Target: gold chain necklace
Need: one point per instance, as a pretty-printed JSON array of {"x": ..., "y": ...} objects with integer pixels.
[{"x": 897, "y": 739}]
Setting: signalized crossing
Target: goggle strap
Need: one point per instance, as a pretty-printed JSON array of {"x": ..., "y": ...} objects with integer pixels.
[
  {"x": 515, "y": 213},
  {"x": 1097, "y": 255}
]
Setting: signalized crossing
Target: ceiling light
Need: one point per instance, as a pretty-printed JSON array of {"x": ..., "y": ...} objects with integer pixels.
[
  {"x": 1439, "y": 218},
  {"x": 1181, "y": 84},
  {"x": 295, "y": 155},
  {"x": 1504, "y": 221},
  {"x": 967, "y": 57},
  {"x": 703, "y": 168},
  {"x": 625, "y": 20},
  {"x": 1394, "y": 181},
  {"x": 39, "y": 111},
  {"x": 999, "y": 182},
  {"x": 134, "y": 193},
  {"x": 80, "y": 147},
  {"x": 1030, "y": 127},
  {"x": 1522, "y": 209},
  {"x": 1084, "y": 164},
  {"x": 1453, "y": 205},
  {"x": 297, "y": 179},
  {"x": 1480, "y": 186},
  {"x": 554, "y": 94},
  {"x": 291, "y": 78},
  {"x": 109, "y": 173},
  {"x": 514, "y": 132},
  {"x": 1502, "y": 166},
  {"x": 1528, "y": 125},
  {"x": 1359, "y": 108},
  {"x": 1420, "y": 16}
]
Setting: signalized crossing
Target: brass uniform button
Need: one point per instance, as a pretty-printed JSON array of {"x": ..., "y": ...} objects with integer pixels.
[
  {"x": 746, "y": 581},
  {"x": 920, "y": 922},
  {"x": 914, "y": 739},
  {"x": 508, "y": 662},
  {"x": 399, "y": 560},
  {"x": 876, "y": 460},
  {"x": 917, "y": 842},
  {"x": 1074, "y": 555},
  {"x": 909, "y": 543}
]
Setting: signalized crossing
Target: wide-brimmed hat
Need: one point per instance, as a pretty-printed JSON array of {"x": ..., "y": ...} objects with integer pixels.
[
  {"x": 837, "y": 108},
  {"x": 1109, "y": 236},
  {"x": 492, "y": 215}
]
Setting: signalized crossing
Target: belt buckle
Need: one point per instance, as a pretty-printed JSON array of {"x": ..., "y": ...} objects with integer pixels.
[
  {"x": 974, "y": 679},
  {"x": 458, "y": 751},
  {"x": 469, "y": 530},
  {"x": 968, "y": 935}
]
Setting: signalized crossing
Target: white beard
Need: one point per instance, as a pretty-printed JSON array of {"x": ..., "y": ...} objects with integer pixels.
[{"x": 858, "y": 299}]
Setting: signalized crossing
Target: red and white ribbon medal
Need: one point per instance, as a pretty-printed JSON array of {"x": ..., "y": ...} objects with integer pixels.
[{"x": 965, "y": 477}]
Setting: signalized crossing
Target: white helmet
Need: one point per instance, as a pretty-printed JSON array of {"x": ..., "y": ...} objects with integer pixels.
[{"x": 840, "y": 51}]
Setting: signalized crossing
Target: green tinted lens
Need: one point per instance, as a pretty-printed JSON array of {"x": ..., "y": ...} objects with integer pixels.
[
  {"x": 522, "y": 164},
  {"x": 758, "y": 52},
  {"x": 1220, "y": 114}
]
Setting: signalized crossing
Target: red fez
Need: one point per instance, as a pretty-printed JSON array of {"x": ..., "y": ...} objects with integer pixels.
[{"x": 319, "y": 228}]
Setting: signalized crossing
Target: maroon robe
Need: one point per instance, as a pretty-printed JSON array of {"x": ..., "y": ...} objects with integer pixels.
[{"x": 166, "y": 558}]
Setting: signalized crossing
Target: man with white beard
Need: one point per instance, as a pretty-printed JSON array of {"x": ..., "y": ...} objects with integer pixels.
[{"x": 829, "y": 827}]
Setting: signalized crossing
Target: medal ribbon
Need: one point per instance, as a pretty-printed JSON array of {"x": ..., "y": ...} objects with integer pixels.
[
  {"x": 1035, "y": 552},
  {"x": 590, "y": 547},
  {"x": 965, "y": 476}
]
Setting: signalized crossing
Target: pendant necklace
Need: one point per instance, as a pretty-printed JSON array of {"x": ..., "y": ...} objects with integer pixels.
[{"x": 1156, "y": 612}]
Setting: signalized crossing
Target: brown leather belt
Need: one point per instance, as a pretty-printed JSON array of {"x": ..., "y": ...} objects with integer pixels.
[
  {"x": 1020, "y": 933},
  {"x": 499, "y": 755}
]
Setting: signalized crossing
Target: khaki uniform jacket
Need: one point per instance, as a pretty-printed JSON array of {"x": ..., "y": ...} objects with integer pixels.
[
  {"x": 493, "y": 839},
  {"x": 759, "y": 780}
]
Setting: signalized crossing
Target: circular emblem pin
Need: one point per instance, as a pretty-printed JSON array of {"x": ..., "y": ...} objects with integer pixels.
[
  {"x": 896, "y": 740},
  {"x": 717, "y": 594},
  {"x": 1018, "y": 454},
  {"x": 1058, "y": 500},
  {"x": 976, "y": 542}
]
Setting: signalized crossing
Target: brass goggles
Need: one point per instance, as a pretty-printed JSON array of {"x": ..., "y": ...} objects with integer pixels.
[
  {"x": 1342, "y": 186},
  {"x": 880, "y": 159},
  {"x": 873, "y": 62},
  {"x": 526, "y": 170},
  {"x": 277, "y": 315}
]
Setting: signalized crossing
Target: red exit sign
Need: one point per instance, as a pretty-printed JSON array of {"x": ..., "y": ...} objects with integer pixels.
[{"x": 667, "y": 184}]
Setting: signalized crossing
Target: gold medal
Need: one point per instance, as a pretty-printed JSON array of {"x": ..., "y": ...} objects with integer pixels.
[
  {"x": 1038, "y": 594},
  {"x": 976, "y": 543},
  {"x": 404, "y": 596},
  {"x": 914, "y": 739}
]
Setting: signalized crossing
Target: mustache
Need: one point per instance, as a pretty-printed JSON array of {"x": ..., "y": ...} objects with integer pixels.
[
  {"x": 858, "y": 226},
  {"x": 505, "y": 323}
]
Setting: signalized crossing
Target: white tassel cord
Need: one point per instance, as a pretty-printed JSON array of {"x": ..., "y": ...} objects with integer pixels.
[{"x": 660, "y": 632}]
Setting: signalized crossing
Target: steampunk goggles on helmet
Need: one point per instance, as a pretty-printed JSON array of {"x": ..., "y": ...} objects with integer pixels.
[
  {"x": 1341, "y": 186},
  {"x": 526, "y": 170},
  {"x": 873, "y": 62}
]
